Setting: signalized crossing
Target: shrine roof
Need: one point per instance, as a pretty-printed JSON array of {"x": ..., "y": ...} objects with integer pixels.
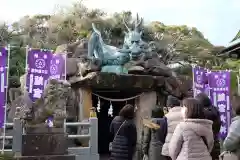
[
  {"x": 122, "y": 82},
  {"x": 233, "y": 48}
]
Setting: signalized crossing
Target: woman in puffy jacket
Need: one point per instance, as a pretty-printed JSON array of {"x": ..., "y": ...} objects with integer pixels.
[
  {"x": 211, "y": 113},
  {"x": 192, "y": 138},
  {"x": 124, "y": 134}
]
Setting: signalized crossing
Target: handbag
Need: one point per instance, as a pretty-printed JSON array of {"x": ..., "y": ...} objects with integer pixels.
[
  {"x": 110, "y": 144},
  {"x": 226, "y": 155}
]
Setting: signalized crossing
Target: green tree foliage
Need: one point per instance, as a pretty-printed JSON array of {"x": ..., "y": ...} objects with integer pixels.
[
  {"x": 17, "y": 61},
  {"x": 70, "y": 24}
]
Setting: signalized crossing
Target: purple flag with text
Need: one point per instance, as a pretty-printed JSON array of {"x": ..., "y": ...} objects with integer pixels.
[
  {"x": 38, "y": 72},
  {"x": 199, "y": 79},
  {"x": 219, "y": 83},
  {"x": 43, "y": 65},
  {"x": 57, "y": 71},
  {"x": 57, "y": 66},
  {"x": 3, "y": 83}
]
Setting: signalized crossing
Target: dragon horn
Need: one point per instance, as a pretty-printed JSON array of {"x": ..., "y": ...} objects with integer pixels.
[
  {"x": 138, "y": 22},
  {"x": 124, "y": 22}
]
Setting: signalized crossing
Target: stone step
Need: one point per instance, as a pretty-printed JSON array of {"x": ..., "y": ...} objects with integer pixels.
[
  {"x": 44, "y": 144},
  {"x": 47, "y": 157}
]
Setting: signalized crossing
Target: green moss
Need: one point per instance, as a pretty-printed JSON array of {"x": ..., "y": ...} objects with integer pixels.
[{"x": 6, "y": 156}]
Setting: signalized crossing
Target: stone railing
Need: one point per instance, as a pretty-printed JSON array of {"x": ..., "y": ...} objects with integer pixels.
[{"x": 35, "y": 143}]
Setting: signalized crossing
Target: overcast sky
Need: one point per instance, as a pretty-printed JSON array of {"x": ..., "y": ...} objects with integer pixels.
[{"x": 218, "y": 20}]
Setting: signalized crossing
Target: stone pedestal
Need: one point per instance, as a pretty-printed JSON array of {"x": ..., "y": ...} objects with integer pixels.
[
  {"x": 47, "y": 157},
  {"x": 42, "y": 143}
]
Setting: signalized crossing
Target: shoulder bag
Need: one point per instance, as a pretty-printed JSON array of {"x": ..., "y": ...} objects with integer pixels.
[{"x": 110, "y": 144}]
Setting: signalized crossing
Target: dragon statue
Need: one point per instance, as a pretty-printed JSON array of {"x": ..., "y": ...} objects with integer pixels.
[
  {"x": 87, "y": 57},
  {"x": 112, "y": 58}
]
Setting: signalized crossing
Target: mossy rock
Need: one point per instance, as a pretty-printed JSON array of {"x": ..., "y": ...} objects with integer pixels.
[{"x": 6, "y": 156}]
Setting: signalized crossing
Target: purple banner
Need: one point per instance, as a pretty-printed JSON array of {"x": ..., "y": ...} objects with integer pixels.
[
  {"x": 3, "y": 83},
  {"x": 38, "y": 72},
  {"x": 57, "y": 67},
  {"x": 43, "y": 65},
  {"x": 219, "y": 83},
  {"x": 199, "y": 80}
]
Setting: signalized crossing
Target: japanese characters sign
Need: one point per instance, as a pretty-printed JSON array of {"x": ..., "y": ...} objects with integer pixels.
[
  {"x": 219, "y": 83},
  {"x": 57, "y": 66},
  {"x": 3, "y": 82},
  {"x": 43, "y": 65},
  {"x": 37, "y": 72},
  {"x": 199, "y": 80}
]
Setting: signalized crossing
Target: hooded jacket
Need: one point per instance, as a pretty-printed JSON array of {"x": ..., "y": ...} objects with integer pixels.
[
  {"x": 192, "y": 140},
  {"x": 174, "y": 117}
]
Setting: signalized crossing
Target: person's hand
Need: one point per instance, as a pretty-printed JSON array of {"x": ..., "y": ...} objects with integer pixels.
[{"x": 145, "y": 157}]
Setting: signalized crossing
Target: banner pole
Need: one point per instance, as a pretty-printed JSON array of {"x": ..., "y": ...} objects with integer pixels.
[
  {"x": 26, "y": 72},
  {"x": 65, "y": 78},
  {"x": 26, "y": 68},
  {"x": 238, "y": 81},
  {"x": 65, "y": 61},
  {"x": 193, "y": 80},
  {"x": 6, "y": 99}
]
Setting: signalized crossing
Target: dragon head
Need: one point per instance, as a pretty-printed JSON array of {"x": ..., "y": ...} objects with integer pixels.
[{"x": 133, "y": 40}]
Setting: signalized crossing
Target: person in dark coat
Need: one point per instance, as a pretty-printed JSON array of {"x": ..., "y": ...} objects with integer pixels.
[
  {"x": 154, "y": 139},
  {"x": 124, "y": 134},
  {"x": 211, "y": 113}
]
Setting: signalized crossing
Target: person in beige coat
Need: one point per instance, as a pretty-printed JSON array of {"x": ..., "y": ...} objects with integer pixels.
[
  {"x": 193, "y": 138},
  {"x": 174, "y": 117}
]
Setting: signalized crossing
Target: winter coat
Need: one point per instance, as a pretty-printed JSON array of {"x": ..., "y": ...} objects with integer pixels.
[
  {"x": 232, "y": 141},
  {"x": 124, "y": 143},
  {"x": 192, "y": 140},
  {"x": 174, "y": 117},
  {"x": 213, "y": 114},
  {"x": 153, "y": 140}
]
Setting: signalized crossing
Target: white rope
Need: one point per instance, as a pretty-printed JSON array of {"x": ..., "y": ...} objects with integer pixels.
[{"x": 118, "y": 100}]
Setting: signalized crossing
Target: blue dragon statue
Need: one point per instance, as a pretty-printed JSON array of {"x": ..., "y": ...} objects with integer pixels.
[{"x": 113, "y": 58}]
